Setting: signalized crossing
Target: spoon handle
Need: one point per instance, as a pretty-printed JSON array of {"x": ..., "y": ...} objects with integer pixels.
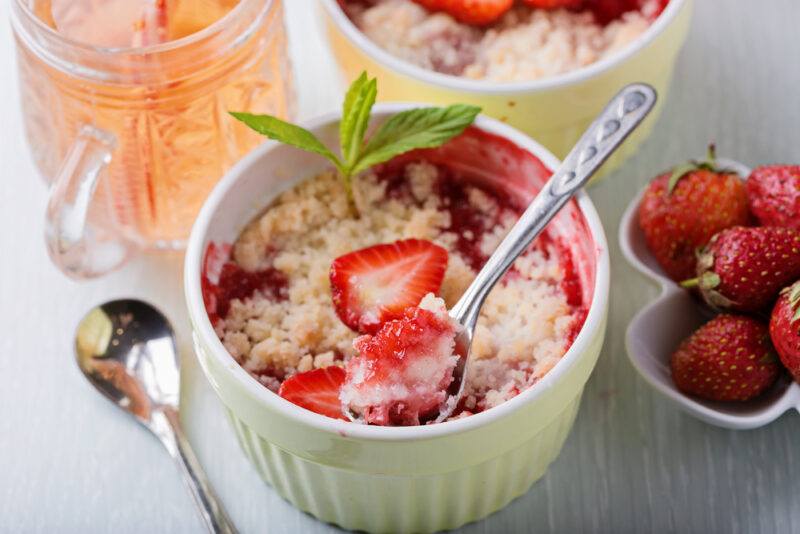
[
  {"x": 169, "y": 431},
  {"x": 619, "y": 118}
]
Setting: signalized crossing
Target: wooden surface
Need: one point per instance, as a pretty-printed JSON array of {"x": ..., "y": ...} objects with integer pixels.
[{"x": 69, "y": 462}]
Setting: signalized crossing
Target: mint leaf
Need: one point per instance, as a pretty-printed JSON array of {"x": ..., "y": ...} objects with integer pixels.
[
  {"x": 355, "y": 117},
  {"x": 405, "y": 131},
  {"x": 286, "y": 133},
  {"x": 415, "y": 128}
]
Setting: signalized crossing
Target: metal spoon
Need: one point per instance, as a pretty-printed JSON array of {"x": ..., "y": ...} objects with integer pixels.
[
  {"x": 126, "y": 349},
  {"x": 619, "y": 118}
]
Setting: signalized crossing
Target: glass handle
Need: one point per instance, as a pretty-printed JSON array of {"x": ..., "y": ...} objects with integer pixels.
[{"x": 78, "y": 248}]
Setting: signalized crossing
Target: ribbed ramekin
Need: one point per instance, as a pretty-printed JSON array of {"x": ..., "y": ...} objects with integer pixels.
[
  {"x": 411, "y": 479},
  {"x": 555, "y": 111}
]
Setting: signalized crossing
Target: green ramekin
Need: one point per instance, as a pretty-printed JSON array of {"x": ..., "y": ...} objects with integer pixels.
[{"x": 379, "y": 479}]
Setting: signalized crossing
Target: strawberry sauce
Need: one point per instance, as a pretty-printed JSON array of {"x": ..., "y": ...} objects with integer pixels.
[
  {"x": 224, "y": 281},
  {"x": 467, "y": 223}
]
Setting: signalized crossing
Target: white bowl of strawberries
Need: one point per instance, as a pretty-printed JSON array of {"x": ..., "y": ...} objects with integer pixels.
[{"x": 723, "y": 242}]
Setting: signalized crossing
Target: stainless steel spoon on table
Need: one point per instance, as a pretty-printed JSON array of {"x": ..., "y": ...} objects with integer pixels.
[
  {"x": 619, "y": 118},
  {"x": 126, "y": 349}
]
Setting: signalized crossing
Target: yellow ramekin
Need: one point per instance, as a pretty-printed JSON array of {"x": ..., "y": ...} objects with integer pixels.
[
  {"x": 555, "y": 111},
  {"x": 394, "y": 479}
]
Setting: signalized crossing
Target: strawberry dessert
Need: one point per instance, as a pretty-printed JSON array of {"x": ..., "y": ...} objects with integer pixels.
[
  {"x": 333, "y": 309},
  {"x": 503, "y": 40},
  {"x": 336, "y": 296}
]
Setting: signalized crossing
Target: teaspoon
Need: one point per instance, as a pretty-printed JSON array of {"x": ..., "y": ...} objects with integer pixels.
[
  {"x": 126, "y": 349},
  {"x": 620, "y": 117}
]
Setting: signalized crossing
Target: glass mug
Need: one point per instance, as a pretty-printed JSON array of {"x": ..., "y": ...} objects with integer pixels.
[{"x": 132, "y": 138}]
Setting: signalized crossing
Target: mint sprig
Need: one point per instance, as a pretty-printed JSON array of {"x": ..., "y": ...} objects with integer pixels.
[{"x": 405, "y": 131}]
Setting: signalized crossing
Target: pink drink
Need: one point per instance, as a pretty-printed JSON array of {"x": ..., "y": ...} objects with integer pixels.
[{"x": 159, "y": 76}]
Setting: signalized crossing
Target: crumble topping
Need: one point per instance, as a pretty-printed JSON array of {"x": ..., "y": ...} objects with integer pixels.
[{"x": 523, "y": 328}]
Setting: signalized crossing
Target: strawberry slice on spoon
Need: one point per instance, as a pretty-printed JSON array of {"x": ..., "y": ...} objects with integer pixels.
[{"x": 374, "y": 285}]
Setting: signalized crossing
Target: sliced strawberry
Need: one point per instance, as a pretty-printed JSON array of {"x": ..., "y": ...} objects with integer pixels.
[
  {"x": 316, "y": 390},
  {"x": 554, "y": 4},
  {"x": 475, "y": 12},
  {"x": 376, "y": 284}
]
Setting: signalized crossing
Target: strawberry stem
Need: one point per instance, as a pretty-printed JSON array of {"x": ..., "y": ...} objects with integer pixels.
[
  {"x": 690, "y": 283},
  {"x": 678, "y": 172},
  {"x": 711, "y": 155}
]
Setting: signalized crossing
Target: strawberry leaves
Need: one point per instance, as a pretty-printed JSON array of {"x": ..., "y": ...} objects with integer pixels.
[
  {"x": 793, "y": 293},
  {"x": 409, "y": 130},
  {"x": 682, "y": 170},
  {"x": 710, "y": 164}
]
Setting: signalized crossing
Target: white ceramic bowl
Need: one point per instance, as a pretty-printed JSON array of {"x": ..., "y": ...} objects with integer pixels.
[
  {"x": 657, "y": 330},
  {"x": 403, "y": 479}
]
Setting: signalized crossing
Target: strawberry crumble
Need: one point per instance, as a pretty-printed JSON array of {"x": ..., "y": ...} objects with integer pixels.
[
  {"x": 290, "y": 324},
  {"x": 402, "y": 373},
  {"x": 526, "y": 41}
]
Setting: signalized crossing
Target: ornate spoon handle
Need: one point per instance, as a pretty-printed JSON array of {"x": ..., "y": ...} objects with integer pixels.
[
  {"x": 167, "y": 427},
  {"x": 619, "y": 118}
]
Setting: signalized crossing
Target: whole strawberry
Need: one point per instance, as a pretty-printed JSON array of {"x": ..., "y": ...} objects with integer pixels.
[
  {"x": 730, "y": 358},
  {"x": 744, "y": 269},
  {"x": 784, "y": 328},
  {"x": 682, "y": 209},
  {"x": 774, "y": 194}
]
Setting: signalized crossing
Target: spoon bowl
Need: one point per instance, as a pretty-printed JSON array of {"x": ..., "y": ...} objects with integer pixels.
[
  {"x": 126, "y": 349},
  {"x": 655, "y": 332}
]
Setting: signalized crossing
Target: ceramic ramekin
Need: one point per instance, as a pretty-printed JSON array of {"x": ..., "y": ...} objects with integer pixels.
[
  {"x": 555, "y": 111},
  {"x": 411, "y": 479}
]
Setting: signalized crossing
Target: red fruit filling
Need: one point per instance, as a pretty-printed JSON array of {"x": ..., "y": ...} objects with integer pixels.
[{"x": 224, "y": 281}]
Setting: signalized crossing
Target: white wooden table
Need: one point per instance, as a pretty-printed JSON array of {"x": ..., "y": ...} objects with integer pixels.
[{"x": 69, "y": 462}]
